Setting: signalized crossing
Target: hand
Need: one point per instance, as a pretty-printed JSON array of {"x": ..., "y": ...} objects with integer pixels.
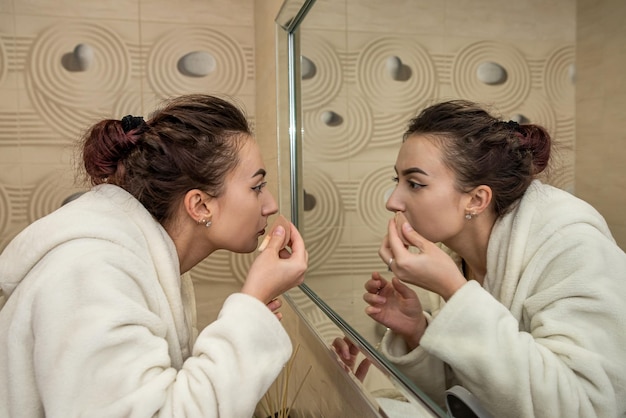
[
  {"x": 431, "y": 268},
  {"x": 397, "y": 307},
  {"x": 274, "y": 305},
  {"x": 348, "y": 353},
  {"x": 276, "y": 269}
]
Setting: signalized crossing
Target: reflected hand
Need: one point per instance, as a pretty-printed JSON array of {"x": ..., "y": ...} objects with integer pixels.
[
  {"x": 396, "y": 306},
  {"x": 274, "y": 305},
  {"x": 348, "y": 353}
]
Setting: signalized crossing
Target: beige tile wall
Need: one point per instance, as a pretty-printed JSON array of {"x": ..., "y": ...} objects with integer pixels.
[{"x": 601, "y": 110}]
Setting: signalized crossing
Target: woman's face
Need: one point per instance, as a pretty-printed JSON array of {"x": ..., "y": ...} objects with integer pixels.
[
  {"x": 241, "y": 212},
  {"x": 425, "y": 192}
]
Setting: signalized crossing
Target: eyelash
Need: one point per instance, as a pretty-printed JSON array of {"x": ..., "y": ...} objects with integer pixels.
[
  {"x": 412, "y": 184},
  {"x": 259, "y": 188}
]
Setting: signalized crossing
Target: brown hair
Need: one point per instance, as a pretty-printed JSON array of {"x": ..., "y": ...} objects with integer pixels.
[
  {"x": 484, "y": 150},
  {"x": 190, "y": 143}
]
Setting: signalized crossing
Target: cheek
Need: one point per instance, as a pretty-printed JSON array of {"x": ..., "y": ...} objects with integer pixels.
[{"x": 435, "y": 219}]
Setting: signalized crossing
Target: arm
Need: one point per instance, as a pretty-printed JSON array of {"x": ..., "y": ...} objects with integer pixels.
[
  {"x": 559, "y": 350},
  {"x": 107, "y": 344}
]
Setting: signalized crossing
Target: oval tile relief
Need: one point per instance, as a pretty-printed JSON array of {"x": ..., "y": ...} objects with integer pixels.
[
  {"x": 491, "y": 73},
  {"x": 197, "y": 64}
]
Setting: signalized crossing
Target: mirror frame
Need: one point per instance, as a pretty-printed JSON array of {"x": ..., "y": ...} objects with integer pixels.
[{"x": 289, "y": 18}]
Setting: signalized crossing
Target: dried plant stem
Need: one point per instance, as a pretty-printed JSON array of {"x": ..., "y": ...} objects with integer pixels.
[{"x": 274, "y": 402}]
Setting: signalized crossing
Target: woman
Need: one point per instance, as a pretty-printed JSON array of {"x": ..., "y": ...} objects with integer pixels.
[
  {"x": 97, "y": 321},
  {"x": 526, "y": 286}
]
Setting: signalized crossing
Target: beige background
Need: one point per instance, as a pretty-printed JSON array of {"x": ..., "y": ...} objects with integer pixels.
[{"x": 137, "y": 43}]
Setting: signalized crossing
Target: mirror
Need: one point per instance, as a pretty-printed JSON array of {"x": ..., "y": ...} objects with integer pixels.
[
  {"x": 362, "y": 69},
  {"x": 366, "y": 69},
  {"x": 385, "y": 386}
]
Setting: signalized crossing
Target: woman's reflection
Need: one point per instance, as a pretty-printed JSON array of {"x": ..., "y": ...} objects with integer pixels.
[{"x": 526, "y": 284}]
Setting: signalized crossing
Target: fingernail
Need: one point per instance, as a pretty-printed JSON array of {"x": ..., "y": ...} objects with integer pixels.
[
  {"x": 279, "y": 230},
  {"x": 407, "y": 227}
]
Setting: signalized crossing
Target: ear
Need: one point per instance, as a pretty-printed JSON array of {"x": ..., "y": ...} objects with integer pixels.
[
  {"x": 480, "y": 199},
  {"x": 197, "y": 205}
]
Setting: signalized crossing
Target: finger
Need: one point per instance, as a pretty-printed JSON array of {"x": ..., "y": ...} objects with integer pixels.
[
  {"x": 400, "y": 219},
  {"x": 354, "y": 350},
  {"x": 384, "y": 252},
  {"x": 341, "y": 348},
  {"x": 362, "y": 369},
  {"x": 374, "y": 299},
  {"x": 404, "y": 290},
  {"x": 296, "y": 242},
  {"x": 276, "y": 241},
  {"x": 413, "y": 237},
  {"x": 372, "y": 310},
  {"x": 274, "y": 304},
  {"x": 397, "y": 245},
  {"x": 278, "y": 315},
  {"x": 376, "y": 283}
]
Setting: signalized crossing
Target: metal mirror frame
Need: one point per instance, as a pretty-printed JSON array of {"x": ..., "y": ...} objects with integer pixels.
[{"x": 289, "y": 18}]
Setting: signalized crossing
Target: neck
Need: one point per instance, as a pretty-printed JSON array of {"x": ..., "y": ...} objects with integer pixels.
[
  {"x": 471, "y": 245},
  {"x": 191, "y": 249}
]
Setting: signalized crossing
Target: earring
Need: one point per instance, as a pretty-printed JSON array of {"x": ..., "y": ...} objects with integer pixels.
[
  {"x": 205, "y": 222},
  {"x": 468, "y": 216}
]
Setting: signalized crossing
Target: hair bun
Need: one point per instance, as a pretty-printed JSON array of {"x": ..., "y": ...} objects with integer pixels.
[{"x": 130, "y": 122}]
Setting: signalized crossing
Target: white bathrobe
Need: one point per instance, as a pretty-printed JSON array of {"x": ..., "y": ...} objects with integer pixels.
[
  {"x": 96, "y": 323},
  {"x": 546, "y": 334}
]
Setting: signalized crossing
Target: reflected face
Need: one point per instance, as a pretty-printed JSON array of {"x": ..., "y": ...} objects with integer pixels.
[
  {"x": 426, "y": 192},
  {"x": 241, "y": 212}
]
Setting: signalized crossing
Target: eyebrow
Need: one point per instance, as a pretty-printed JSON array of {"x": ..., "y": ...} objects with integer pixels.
[
  {"x": 259, "y": 172},
  {"x": 412, "y": 170}
]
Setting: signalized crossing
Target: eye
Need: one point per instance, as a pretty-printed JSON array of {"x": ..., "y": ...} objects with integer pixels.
[
  {"x": 415, "y": 185},
  {"x": 260, "y": 187}
]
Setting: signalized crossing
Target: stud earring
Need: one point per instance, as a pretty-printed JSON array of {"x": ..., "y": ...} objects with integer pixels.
[
  {"x": 205, "y": 222},
  {"x": 469, "y": 215}
]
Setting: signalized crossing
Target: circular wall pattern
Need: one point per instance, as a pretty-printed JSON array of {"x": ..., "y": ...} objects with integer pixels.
[
  {"x": 222, "y": 267},
  {"x": 324, "y": 85},
  {"x": 389, "y": 129},
  {"x": 49, "y": 194},
  {"x": 163, "y": 74},
  {"x": 59, "y": 94},
  {"x": 558, "y": 82},
  {"x": 130, "y": 103},
  {"x": 372, "y": 194},
  {"x": 507, "y": 95},
  {"x": 375, "y": 81},
  {"x": 323, "y": 225},
  {"x": 338, "y": 142},
  {"x": 537, "y": 110}
]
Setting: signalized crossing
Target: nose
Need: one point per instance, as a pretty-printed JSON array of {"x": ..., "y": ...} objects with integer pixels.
[
  {"x": 270, "y": 206},
  {"x": 393, "y": 203}
]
